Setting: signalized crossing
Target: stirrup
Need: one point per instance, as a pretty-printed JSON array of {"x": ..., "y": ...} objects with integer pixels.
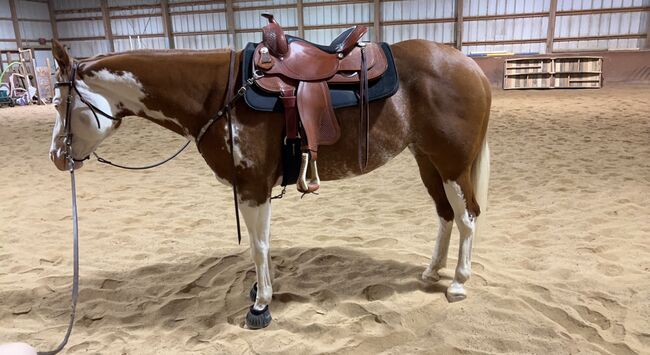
[{"x": 314, "y": 181}]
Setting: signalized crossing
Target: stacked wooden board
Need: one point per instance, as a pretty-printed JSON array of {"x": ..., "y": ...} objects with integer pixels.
[{"x": 569, "y": 72}]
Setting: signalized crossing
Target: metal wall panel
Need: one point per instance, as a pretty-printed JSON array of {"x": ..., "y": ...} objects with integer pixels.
[
  {"x": 438, "y": 32},
  {"x": 30, "y": 30},
  {"x": 415, "y": 10},
  {"x": 135, "y": 43},
  {"x": 76, "y": 29},
  {"x": 201, "y": 41},
  {"x": 269, "y": 3},
  {"x": 508, "y": 29},
  {"x": 503, "y": 7},
  {"x": 75, "y": 4},
  {"x": 112, "y": 3},
  {"x": 199, "y": 22},
  {"x": 137, "y": 26},
  {"x": 521, "y": 48},
  {"x": 7, "y": 30},
  {"x": 5, "y": 10},
  {"x": 622, "y": 23},
  {"x": 347, "y": 14},
  {"x": 190, "y": 7},
  {"x": 438, "y": 16},
  {"x": 601, "y": 24},
  {"x": 7, "y": 45},
  {"x": 251, "y": 19},
  {"x": 84, "y": 49},
  {"x": 32, "y": 10},
  {"x": 563, "y": 5}
]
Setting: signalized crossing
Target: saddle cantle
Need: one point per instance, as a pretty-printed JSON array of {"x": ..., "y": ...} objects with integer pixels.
[{"x": 306, "y": 81}]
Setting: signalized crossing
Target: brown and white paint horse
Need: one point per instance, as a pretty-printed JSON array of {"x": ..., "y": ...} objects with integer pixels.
[{"x": 440, "y": 113}]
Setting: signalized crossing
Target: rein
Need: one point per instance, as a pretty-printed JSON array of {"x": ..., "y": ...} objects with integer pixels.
[
  {"x": 75, "y": 220},
  {"x": 225, "y": 111}
]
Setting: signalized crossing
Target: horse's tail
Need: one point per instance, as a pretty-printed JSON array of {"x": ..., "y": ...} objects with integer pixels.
[{"x": 480, "y": 180}]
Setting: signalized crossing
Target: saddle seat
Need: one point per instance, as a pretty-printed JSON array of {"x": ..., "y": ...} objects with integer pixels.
[{"x": 301, "y": 72}]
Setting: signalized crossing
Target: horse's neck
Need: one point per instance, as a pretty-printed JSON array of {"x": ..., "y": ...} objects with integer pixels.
[{"x": 177, "y": 90}]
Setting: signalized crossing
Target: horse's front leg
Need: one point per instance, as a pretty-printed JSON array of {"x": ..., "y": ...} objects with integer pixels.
[{"x": 258, "y": 221}]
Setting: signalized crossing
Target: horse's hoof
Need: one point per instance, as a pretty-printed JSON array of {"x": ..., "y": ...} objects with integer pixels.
[
  {"x": 253, "y": 292},
  {"x": 430, "y": 275},
  {"x": 456, "y": 292},
  {"x": 258, "y": 319}
]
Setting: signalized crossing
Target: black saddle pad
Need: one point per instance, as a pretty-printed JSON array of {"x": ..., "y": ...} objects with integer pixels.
[{"x": 342, "y": 95}]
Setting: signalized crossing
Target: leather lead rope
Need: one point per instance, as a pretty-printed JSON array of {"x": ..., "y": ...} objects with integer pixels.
[
  {"x": 229, "y": 99},
  {"x": 75, "y": 220}
]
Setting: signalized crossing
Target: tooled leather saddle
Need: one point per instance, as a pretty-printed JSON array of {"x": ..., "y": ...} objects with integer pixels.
[{"x": 301, "y": 72}]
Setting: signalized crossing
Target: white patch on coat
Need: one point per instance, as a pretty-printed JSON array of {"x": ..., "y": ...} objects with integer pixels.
[
  {"x": 126, "y": 89},
  {"x": 86, "y": 134},
  {"x": 240, "y": 160},
  {"x": 221, "y": 180}
]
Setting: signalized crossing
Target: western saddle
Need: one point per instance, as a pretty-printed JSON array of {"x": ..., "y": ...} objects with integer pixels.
[{"x": 301, "y": 72}]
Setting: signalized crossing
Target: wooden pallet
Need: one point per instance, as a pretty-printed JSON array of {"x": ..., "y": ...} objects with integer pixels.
[{"x": 553, "y": 73}]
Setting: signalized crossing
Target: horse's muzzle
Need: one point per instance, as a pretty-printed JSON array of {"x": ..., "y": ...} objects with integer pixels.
[{"x": 58, "y": 158}]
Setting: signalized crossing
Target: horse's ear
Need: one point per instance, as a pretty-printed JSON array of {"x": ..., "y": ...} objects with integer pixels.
[{"x": 61, "y": 55}]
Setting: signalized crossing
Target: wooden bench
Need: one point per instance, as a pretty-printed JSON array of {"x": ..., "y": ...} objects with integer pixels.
[{"x": 300, "y": 72}]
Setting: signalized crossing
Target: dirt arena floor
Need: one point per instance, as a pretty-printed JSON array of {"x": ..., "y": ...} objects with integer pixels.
[{"x": 562, "y": 265}]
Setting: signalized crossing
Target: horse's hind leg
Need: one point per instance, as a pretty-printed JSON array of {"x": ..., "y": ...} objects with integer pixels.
[
  {"x": 433, "y": 182},
  {"x": 460, "y": 193}
]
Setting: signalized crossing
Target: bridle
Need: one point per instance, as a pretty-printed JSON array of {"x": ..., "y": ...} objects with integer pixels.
[
  {"x": 67, "y": 124},
  {"x": 70, "y": 161}
]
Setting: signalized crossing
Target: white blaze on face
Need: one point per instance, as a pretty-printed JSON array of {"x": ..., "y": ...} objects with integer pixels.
[{"x": 86, "y": 134}]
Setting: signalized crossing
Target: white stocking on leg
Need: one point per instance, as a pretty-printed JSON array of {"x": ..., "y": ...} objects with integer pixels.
[
  {"x": 466, "y": 226},
  {"x": 439, "y": 258},
  {"x": 258, "y": 222}
]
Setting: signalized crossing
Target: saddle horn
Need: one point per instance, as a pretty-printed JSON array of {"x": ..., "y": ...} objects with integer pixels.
[
  {"x": 273, "y": 37},
  {"x": 269, "y": 17}
]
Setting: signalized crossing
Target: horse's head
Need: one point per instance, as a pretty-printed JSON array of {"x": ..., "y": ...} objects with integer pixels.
[{"x": 88, "y": 127}]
